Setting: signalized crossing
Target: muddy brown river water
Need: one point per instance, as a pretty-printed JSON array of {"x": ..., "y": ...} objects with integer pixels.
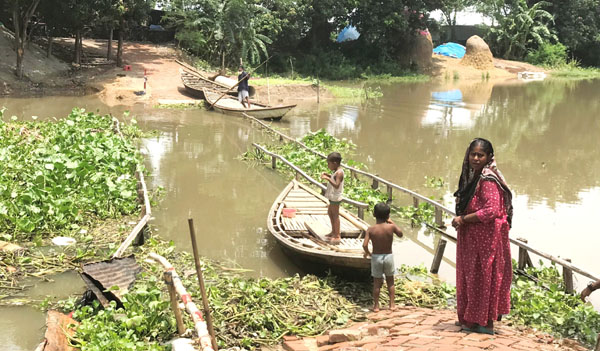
[{"x": 546, "y": 136}]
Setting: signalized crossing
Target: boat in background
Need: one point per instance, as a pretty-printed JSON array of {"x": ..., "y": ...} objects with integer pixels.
[
  {"x": 298, "y": 220},
  {"x": 231, "y": 106},
  {"x": 194, "y": 83}
]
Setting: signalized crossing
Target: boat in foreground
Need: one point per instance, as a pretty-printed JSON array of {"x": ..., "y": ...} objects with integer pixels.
[
  {"x": 232, "y": 106},
  {"x": 298, "y": 220},
  {"x": 194, "y": 83}
]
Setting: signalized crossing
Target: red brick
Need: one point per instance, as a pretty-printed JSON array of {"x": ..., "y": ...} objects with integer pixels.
[
  {"x": 449, "y": 333},
  {"x": 398, "y": 340},
  {"x": 371, "y": 346},
  {"x": 477, "y": 337},
  {"x": 386, "y": 324},
  {"x": 295, "y": 345},
  {"x": 290, "y": 337},
  {"x": 342, "y": 335},
  {"x": 369, "y": 340},
  {"x": 373, "y": 330},
  {"x": 322, "y": 340},
  {"x": 433, "y": 320},
  {"x": 420, "y": 341},
  {"x": 474, "y": 343},
  {"x": 505, "y": 341},
  {"x": 402, "y": 331},
  {"x": 357, "y": 326}
]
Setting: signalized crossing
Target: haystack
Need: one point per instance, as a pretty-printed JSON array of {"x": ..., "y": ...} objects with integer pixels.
[
  {"x": 478, "y": 54},
  {"x": 423, "y": 50}
]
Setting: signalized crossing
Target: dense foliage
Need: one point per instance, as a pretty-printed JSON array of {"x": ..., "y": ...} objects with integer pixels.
[
  {"x": 58, "y": 175},
  {"x": 300, "y": 34}
]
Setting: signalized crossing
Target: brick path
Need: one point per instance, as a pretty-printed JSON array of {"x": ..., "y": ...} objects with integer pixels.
[{"x": 420, "y": 329}]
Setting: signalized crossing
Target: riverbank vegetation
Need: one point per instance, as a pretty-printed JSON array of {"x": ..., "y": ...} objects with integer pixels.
[
  {"x": 246, "y": 312},
  {"x": 70, "y": 177}
]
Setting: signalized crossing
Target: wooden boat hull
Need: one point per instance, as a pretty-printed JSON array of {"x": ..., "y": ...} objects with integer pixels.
[
  {"x": 195, "y": 85},
  {"x": 228, "y": 106},
  {"x": 298, "y": 242}
]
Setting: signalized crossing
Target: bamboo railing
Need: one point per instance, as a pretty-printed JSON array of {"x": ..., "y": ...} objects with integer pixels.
[
  {"x": 142, "y": 192},
  {"x": 361, "y": 206},
  {"x": 524, "y": 248}
]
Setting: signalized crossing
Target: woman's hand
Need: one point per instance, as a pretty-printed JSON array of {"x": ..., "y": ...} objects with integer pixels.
[
  {"x": 458, "y": 221},
  {"x": 324, "y": 175}
]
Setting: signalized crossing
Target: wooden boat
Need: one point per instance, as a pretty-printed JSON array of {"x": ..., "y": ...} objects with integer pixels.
[
  {"x": 231, "y": 106},
  {"x": 194, "y": 83},
  {"x": 302, "y": 235}
]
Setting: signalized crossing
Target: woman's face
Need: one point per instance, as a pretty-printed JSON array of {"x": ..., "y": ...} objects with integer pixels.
[{"x": 478, "y": 158}]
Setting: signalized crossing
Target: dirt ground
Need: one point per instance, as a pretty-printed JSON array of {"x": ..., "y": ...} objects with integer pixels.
[{"x": 117, "y": 86}]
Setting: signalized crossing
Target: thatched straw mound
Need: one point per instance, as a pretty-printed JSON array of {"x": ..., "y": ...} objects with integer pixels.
[{"x": 478, "y": 54}]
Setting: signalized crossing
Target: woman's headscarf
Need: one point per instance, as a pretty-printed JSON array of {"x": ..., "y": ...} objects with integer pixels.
[{"x": 468, "y": 182}]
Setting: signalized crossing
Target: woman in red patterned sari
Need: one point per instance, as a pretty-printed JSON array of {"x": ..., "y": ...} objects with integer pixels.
[{"x": 483, "y": 262}]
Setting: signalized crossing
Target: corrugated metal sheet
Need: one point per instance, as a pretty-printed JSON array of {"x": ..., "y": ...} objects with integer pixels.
[{"x": 119, "y": 272}]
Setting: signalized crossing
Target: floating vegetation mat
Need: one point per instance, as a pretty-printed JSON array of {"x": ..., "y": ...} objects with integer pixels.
[{"x": 71, "y": 177}]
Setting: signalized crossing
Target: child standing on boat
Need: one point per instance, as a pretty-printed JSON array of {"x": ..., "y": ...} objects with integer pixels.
[
  {"x": 381, "y": 236},
  {"x": 334, "y": 193}
]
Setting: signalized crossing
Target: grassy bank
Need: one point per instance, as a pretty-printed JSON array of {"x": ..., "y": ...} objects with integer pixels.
[
  {"x": 572, "y": 70},
  {"x": 346, "y": 89}
]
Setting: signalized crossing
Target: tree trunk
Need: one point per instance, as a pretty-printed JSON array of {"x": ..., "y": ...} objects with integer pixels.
[
  {"x": 453, "y": 29},
  {"x": 120, "y": 45},
  {"x": 109, "y": 46},
  {"x": 77, "y": 58},
  {"x": 18, "y": 40},
  {"x": 49, "y": 48},
  {"x": 20, "y": 24}
]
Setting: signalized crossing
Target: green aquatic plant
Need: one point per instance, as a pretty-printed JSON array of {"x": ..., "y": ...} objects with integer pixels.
[
  {"x": 544, "y": 304},
  {"x": 59, "y": 175},
  {"x": 143, "y": 323}
]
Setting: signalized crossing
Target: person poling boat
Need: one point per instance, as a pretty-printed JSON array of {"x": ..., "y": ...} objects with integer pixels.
[{"x": 243, "y": 88}]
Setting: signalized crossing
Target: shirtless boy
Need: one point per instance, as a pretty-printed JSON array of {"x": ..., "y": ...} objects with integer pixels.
[{"x": 381, "y": 236}]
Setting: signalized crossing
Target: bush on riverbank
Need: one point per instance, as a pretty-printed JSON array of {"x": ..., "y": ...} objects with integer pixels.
[{"x": 59, "y": 175}]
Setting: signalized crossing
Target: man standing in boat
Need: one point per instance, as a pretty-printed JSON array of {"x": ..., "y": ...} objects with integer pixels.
[{"x": 243, "y": 88}]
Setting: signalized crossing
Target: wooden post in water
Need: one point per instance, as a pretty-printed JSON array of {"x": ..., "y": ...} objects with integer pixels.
[
  {"x": 389, "y": 194},
  {"x": 375, "y": 184},
  {"x": 415, "y": 202},
  {"x": 174, "y": 305},
  {"x": 438, "y": 217},
  {"x": 437, "y": 257},
  {"x": 524, "y": 259},
  {"x": 353, "y": 175},
  {"x": 568, "y": 278},
  {"x": 297, "y": 175},
  {"x": 273, "y": 162},
  {"x": 202, "y": 288},
  {"x": 361, "y": 213}
]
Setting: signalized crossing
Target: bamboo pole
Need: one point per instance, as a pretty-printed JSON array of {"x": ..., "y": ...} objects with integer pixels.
[
  {"x": 190, "y": 306},
  {"x": 201, "y": 283},
  {"x": 168, "y": 276}
]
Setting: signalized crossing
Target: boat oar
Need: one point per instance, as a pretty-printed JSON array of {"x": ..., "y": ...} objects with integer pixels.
[{"x": 238, "y": 83}]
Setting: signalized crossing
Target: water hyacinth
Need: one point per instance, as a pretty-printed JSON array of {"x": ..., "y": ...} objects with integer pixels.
[{"x": 58, "y": 175}]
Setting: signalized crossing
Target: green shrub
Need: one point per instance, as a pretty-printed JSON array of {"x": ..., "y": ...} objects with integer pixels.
[{"x": 548, "y": 55}]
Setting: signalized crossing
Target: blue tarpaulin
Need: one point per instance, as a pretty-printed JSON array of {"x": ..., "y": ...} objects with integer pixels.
[
  {"x": 347, "y": 34},
  {"x": 450, "y": 49}
]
